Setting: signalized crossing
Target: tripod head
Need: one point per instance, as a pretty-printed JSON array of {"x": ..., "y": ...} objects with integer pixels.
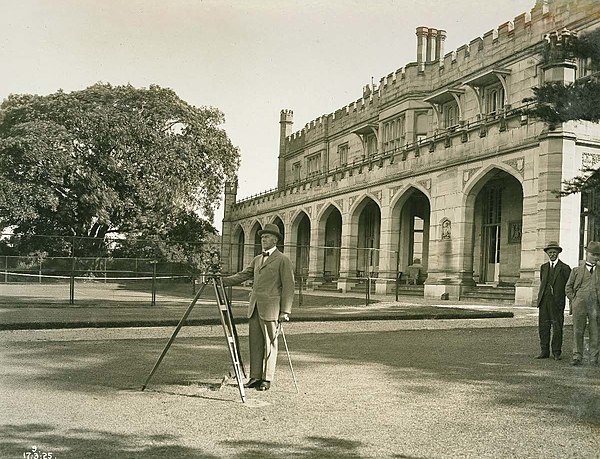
[{"x": 214, "y": 266}]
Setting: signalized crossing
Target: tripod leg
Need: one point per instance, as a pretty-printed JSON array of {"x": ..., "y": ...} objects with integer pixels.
[
  {"x": 174, "y": 335},
  {"x": 287, "y": 351},
  {"x": 233, "y": 329},
  {"x": 228, "y": 327}
]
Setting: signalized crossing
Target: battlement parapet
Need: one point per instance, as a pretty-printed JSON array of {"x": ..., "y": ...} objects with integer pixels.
[{"x": 525, "y": 31}]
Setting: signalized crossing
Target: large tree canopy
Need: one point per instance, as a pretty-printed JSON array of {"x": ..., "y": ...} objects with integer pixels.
[{"x": 109, "y": 159}]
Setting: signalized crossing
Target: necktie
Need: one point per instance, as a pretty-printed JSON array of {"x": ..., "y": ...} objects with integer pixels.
[
  {"x": 590, "y": 267},
  {"x": 265, "y": 254}
]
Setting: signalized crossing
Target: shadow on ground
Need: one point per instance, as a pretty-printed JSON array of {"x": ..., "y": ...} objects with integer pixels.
[
  {"x": 15, "y": 440},
  {"x": 498, "y": 360}
]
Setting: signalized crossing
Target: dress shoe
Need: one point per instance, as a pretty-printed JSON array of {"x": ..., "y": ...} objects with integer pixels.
[
  {"x": 557, "y": 357},
  {"x": 264, "y": 385},
  {"x": 542, "y": 356},
  {"x": 576, "y": 362},
  {"x": 252, "y": 382}
]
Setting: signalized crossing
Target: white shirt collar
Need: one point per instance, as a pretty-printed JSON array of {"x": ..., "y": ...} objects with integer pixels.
[{"x": 271, "y": 250}]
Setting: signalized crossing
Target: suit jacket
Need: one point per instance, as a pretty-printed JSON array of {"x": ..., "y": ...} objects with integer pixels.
[
  {"x": 273, "y": 288},
  {"x": 575, "y": 281},
  {"x": 557, "y": 282}
]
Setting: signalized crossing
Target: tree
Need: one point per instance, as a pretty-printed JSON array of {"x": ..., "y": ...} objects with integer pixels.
[
  {"x": 556, "y": 102},
  {"x": 108, "y": 159}
]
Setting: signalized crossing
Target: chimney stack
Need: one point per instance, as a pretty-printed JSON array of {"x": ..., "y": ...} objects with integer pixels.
[
  {"x": 422, "y": 46},
  {"x": 430, "y": 45}
]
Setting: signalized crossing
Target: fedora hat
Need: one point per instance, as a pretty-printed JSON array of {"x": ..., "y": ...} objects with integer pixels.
[
  {"x": 593, "y": 247},
  {"x": 270, "y": 228},
  {"x": 553, "y": 245}
]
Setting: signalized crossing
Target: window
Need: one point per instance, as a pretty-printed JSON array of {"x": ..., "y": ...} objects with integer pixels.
[
  {"x": 343, "y": 154},
  {"x": 313, "y": 164},
  {"x": 394, "y": 134},
  {"x": 421, "y": 126},
  {"x": 586, "y": 66},
  {"x": 450, "y": 111},
  {"x": 417, "y": 239},
  {"x": 296, "y": 171},
  {"x": 494, "y": 100}
]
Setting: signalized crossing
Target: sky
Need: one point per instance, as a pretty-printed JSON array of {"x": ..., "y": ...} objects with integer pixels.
[{"x": 249, "y": 58}]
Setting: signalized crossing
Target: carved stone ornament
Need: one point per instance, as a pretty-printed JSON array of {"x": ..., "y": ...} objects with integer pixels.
[
  {"x": 517, "y": 164},
  {"x": 590, "y": 159},
  {"x": 468, "y": 174},
  {"x": 446, "y": 229}
]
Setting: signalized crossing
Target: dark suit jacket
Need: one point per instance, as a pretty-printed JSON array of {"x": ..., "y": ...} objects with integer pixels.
[
  {"x": 273, "y": 288},
  {"x": 557, "y": 282}
]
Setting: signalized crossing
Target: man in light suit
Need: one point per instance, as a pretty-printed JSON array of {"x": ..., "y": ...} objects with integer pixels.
[
  {"x": 270, "y": 303},
  {"x": 551, "y": 302},
  {"x": 583, "y": 291}
]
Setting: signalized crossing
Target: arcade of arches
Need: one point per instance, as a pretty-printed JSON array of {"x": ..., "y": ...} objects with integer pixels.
[{"x": 476, "y": 243}]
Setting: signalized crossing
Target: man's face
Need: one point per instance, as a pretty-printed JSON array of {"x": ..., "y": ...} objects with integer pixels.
[
  {"x": 592, "y": 257},
  {"x": 552, "y": 254},
  {"x": 268, "y": 241}
]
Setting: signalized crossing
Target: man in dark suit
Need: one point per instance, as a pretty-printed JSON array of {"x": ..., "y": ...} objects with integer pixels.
[
  {"x": 270, "y": 303},
  {"x": 551, "y": 302}
]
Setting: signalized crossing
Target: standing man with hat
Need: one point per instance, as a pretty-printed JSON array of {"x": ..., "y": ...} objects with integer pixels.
[
  {"x": 551, "y": 302},
  {"x": 583, "y": 291},
  {"x": 270, "y": 303}
]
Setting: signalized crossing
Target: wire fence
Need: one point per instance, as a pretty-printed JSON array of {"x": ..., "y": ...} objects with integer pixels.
[{"x": 38, "y": 278}]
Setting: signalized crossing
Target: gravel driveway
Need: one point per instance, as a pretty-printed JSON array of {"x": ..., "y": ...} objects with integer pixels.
[{"x": 435, "y": 389}]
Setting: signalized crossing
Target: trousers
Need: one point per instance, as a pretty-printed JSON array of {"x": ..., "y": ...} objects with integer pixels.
[
  {"x": 585, "y": 315},
  {"x": 550, "y": 323},
  {"x": 263, "y": 347}
]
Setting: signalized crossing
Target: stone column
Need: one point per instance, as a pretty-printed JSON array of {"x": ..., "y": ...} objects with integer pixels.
[
  {"x": 315, "y": 275},
  {"x": 387, "y": 253},
  {"x": 348, "y": 253}
]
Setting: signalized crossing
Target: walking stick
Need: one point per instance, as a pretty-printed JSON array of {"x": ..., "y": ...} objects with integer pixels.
[{"x": 288, "y": 355}]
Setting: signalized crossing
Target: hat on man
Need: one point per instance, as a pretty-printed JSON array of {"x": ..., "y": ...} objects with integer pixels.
[
  {"x": 270, "y": 228},
  {"x": 593, "y": 247},
  {"x": 553, "y": 245}
]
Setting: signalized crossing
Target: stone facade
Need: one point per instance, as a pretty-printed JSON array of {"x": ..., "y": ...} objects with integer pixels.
[{"x": 437, "y": 167}]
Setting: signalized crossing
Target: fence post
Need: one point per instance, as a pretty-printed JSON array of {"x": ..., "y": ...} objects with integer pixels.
[
  {"x": 154, "y": 263},
  {"x": 300, "y": 295},
  {"x": 6, "y": 269},
  {"x": 72, "y": 282},
  {"x": 368, "y": 293}
]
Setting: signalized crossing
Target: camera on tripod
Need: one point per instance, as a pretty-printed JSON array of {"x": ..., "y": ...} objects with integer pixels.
[{"x": 214, "y": 265}]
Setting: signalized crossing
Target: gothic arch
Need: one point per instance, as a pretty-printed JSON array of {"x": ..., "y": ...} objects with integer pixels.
[
  {"x": 493, "y": 218},
  {"x": 327, "y": 208},
  {"x": 476, "y": 182},
  {"x": 361, "y": 202},
  {"x": 402, "y": 195}
]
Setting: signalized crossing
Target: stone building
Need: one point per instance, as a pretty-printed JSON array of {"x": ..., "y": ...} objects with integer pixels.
[{"x": 435, "y": 169}]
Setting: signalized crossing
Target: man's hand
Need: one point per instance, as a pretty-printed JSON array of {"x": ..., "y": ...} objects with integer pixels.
[{"x": 284, "y": 317}]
